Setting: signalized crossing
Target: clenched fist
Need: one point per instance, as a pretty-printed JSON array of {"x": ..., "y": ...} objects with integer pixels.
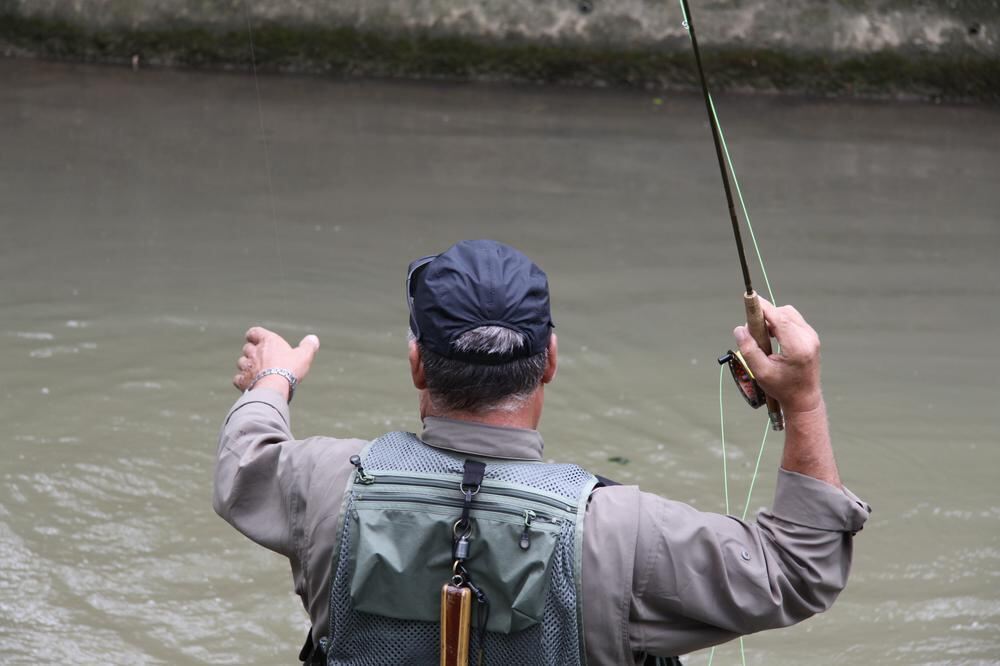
[
  {"x": 266, "y": 349},
  {"x": 791, "y": 376}
]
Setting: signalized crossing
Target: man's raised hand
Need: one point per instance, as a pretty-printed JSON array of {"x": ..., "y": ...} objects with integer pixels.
[
  {"x": 792, "y": 375},
  {"x": 266, "y": 349}
]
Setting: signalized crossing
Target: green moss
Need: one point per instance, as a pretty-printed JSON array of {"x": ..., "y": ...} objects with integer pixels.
[{"x": 346, "y": 51}]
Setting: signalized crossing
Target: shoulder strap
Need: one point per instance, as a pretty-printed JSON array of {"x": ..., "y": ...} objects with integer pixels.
[
  {"x": 603, "y": 482},
  {"x": 310, "y": 654}
]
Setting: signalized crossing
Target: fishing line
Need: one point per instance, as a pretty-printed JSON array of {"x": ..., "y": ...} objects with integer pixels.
[
  {"x": 756, "y": 469},
  {"x": 717, "y": 129},
  {"x": 736, "y": 180},
  {"x": 267, "y": 151},
  {"x": 722, "y": 431},
  {"x": 739, "y": 195},
  {"x": 725, "y": 483}
]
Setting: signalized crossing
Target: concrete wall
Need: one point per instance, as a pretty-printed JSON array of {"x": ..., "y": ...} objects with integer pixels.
[{"x": 934, "y": 48}]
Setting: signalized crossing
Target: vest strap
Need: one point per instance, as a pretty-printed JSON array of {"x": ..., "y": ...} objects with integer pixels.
[
  {"x": 472, "y": 481},
  {"x": 307, "y": 655},
  {"x": 472, "y": 475},
  {"x": 604, "y": 482}
]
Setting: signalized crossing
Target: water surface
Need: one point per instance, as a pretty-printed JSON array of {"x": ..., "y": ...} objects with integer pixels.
[{"x": 141, "y": 235}]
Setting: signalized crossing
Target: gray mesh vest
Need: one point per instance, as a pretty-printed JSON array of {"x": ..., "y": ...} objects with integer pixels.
[{"x": 395, "y": 554}]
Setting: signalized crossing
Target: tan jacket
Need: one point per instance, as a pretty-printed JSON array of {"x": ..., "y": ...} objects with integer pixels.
[{"x": 658, "y": 575}]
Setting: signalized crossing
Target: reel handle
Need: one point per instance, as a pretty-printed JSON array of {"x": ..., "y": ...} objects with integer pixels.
[{"x": 758, "y": 329}]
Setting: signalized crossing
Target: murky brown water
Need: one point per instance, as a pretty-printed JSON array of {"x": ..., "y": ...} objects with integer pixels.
[{"x": 138, "y": 243}]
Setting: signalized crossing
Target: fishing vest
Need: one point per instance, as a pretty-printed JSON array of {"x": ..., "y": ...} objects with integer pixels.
[{"x": 396, "y": 552}]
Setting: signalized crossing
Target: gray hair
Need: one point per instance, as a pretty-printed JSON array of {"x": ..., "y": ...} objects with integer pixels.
[{"x": 460, "y": 386}]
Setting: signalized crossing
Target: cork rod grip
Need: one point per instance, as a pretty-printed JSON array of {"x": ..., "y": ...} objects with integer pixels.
[{"x": 758, "y": 329}]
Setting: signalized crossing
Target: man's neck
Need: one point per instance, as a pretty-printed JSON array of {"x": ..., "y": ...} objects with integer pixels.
[
  {"x": 497, "y": 418},
  {"x": 526, "y": 415}
]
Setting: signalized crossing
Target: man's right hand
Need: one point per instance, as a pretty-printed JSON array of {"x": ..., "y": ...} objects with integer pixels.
[
  {"x": 791, "y": 376},
  {"x": 266, "y": 349}
]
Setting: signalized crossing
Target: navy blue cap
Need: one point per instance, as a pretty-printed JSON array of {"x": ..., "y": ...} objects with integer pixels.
[{"x": 478, "y": 283}]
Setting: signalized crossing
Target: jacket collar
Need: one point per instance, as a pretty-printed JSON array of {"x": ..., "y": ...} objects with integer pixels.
[{"x": 480, "y": 439}]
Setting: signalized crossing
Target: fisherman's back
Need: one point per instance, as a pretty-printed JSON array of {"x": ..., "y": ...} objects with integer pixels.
[
  {"x": 649, "y": 575},
  {"x": 650, "y": 567}
]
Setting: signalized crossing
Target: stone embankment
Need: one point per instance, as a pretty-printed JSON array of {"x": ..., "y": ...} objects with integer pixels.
[{"x": 939, "y": 49}]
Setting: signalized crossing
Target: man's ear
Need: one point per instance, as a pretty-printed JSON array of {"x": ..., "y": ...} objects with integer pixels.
[
  {"x": 552, "y": 365},
  {"x": 417, "y": 367}
]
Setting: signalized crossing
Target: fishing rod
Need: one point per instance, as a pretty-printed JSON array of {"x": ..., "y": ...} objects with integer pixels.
[{"x": 751, "y": 302}]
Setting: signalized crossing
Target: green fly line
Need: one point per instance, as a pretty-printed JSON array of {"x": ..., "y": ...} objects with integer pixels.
[{"x": 770, "y": 293}]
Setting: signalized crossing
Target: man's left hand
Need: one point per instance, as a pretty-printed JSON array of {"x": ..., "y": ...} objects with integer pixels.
[{"x": 266, "y": 349}]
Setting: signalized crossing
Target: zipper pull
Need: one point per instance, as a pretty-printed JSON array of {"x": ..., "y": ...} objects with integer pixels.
[
  {"x": 360, "y": 476},
  {"x": 525, "y": 542}
]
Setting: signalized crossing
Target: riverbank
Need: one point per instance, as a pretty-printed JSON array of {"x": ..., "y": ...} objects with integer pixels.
[{"x": 874, "y": 48}]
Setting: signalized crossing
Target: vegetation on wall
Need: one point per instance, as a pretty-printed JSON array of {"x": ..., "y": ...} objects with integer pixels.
[{"x": 346, "y": 51}]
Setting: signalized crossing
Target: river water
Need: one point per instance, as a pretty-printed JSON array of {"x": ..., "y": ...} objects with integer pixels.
[{"x": 142, "y": 234}]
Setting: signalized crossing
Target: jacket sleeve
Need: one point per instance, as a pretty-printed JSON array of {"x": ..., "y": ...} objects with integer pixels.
[
  {"x": 254, "y": 483},
  {"x": 704, "y": 578},
  {"x": 285, "y": 494}
]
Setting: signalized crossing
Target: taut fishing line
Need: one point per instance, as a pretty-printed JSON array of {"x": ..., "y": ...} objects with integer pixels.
[{"x": 267, "y": 150}]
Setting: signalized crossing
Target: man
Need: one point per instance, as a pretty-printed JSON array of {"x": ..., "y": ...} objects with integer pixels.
[{"x": 648, "y": 576}]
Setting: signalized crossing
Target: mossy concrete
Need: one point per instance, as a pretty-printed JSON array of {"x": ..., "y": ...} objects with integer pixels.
[{"x": 940, "y": 61}]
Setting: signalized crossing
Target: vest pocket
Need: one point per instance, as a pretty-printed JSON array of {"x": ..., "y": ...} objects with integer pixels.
[{"x": 401, "y": 554}]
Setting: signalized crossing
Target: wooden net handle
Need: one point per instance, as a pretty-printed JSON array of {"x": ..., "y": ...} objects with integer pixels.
[{"x": 456, "y": 621}]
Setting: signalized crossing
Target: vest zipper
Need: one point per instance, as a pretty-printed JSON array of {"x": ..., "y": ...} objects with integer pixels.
[
  {"x": 391, "y": 479},
  {"x": 525, "y": 541},
  {"x": 360, "y": 476},
  {"x": 485, "y": 505}
]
